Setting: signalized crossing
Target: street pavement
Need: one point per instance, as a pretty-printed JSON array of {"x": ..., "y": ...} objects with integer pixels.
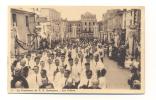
[{"x": 116, "y": 77}]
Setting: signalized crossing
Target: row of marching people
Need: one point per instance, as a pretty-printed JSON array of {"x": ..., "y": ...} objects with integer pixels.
[{"x": 64, "y": 67}]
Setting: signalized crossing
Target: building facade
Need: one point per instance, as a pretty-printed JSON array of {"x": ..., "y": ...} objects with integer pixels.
[
  {"x": 112, "y": 25},
  {"x": 123, "y": 27},
  {"x": 89, "y": 25},
  {"x": 132, "y": 26},
  {"x": 64, "y": 28},
  {"x": 101, "y": 35},
  {"x": 23, "y": 25},
  {"x": 50, "y": 22},
  {"x": 74, "y": 29}
]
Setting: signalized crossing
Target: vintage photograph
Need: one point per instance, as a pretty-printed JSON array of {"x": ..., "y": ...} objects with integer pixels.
[{"x": 76, "y": 49}]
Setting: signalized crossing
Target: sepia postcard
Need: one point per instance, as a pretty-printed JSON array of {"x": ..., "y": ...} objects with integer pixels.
[{"x": 76, "y": 49}]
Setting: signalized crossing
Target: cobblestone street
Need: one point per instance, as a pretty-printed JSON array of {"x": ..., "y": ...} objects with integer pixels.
[{"x": 116, "y": 77}]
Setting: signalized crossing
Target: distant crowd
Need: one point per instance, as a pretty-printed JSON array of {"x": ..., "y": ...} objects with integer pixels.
[{"x": 67, "y": 65}]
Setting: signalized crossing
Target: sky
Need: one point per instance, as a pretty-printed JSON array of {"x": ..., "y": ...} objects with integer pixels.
[{"x": 74, "y": 12}]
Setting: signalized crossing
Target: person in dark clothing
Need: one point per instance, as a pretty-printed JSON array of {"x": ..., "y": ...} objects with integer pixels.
[
  {"x": 45, "y": 83},
  {"x": 44, "y": 44},
  {"x": 101, "y": 73},
  {"x": 121, "y": 56},
  {"x": 22, "y": 82},
  {"x": 137, "y": 53},
  {"x": 14, "y": 64},
  {"x": 19, "y": 81},
  {"x": 134, "y": 81}
]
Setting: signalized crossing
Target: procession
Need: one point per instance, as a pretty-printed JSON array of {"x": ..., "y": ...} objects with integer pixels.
[{"x": 91, "y": 59}]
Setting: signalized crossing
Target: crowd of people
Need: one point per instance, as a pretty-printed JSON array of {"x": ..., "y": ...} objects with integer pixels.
[{"x": 72, "y": 64}]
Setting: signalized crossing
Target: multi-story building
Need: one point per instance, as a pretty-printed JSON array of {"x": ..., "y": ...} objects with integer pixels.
[
  {"x": 23, "y": 25},
  {"x": 64, "y": 28},
  {"x": 132, "y": 22},
  {"x": 112, "y": 25},
  {"x": 123, "y": 26},
  {"x": 101, "y": 34},
  {"x": 74, "y": 29},
  {"x": 50, "y": 20},
  {"x": 89, "y": 25}
]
